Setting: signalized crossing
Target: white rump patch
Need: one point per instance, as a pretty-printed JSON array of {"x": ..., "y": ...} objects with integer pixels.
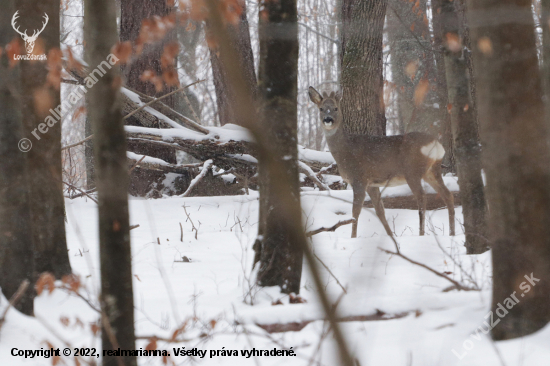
[{"x": 434, "y": 150}]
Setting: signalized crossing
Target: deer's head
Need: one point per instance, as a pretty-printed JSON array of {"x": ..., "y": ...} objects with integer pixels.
[
  {"x": 329, "y": 108},
  {"x": 29, "y": 40}
]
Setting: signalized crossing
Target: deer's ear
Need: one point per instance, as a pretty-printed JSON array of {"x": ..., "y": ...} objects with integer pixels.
[
  {"x": 314, "y": 95},
  {"x": 338, "y": 96}
]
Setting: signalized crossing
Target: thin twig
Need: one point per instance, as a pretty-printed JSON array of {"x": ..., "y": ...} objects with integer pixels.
[
  {"x": 136, "y": 164},
  {"x": 437, "y": 273},
  {"x": 160, "y": 98},
  {"x": 77, "y": 143},
  {"x": 81, "y": 191},
  {"x": 332, "y": 228},
  {"x": 332, "y": 274},
  {"x": 89, "y": 191},
  {"x": 14, "y": 299}
]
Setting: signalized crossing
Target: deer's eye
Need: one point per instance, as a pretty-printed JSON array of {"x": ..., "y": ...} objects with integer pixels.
[
  {"x": 321, "y": 109},
  {"x": 335, "y": 109}
]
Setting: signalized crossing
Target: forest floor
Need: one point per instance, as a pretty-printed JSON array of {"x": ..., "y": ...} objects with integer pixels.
[{"x": 199, "y": 276}]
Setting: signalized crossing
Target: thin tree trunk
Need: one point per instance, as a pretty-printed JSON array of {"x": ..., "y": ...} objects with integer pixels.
[
  {"x": 361, "y": 62},
  {"x": 44, "y": 160},
  {"x": 89, "y": 154},
  {"x": 117, "y": 302},
  {"x": 412, "y": 63},
  {"x": 240, "y": 36},
  {"x": 441, "y": 85},
  {"x": 545, "y": 23},
  {"x": 16, "y": 249},
  {"x": 467, "y": 149},
  {"x": 516, "y": 159},
  {"x": 280, "y": 257}
]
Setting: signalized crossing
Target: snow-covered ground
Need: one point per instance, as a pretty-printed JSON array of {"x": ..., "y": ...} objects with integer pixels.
[{"x": 201, "y": 278}]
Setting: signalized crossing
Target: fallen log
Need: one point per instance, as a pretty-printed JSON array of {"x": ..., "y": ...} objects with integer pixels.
[{"x": 298, "y": 326}]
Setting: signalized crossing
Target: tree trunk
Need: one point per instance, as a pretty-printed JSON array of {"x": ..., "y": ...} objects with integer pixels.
[
  {"x": 467, "y": 149},
  {"x": 516, "y": 159},
  {"x": 16, "y": 248},
  {"x": 89, "y": 154},
  {"x": 545, "y": 18},
  {"x": 361, "y": 63},
  {"x": 240, "y": 36},
  {"x": 44, "y": 160},
  {"x": 280, "y": 257},
  {"x": 133, "y": 13},
  {"x": 441, "y": 86},
  {"x": 412, "y": 64},
  {"x": 117, "y": 302}
]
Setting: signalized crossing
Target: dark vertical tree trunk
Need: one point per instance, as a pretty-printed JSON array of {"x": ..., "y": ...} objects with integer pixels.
[
  {"x": 44, "y": 160},
  {"x": 240, "y": 36},
  {"x": 516, "y": 159},
  {"x": 361, "y": 64},
  {"x": 441, "y": 85},
  {"x": 467, "y": 149},
  {"x": 133, "y": 12},
  {"x": 412, "y": 64},
  {"x": 111, "y": 168},
  {"x": 280, "y": 257},
  {"x": 16, "y": 249},
  {"x": 545, "y": 18}
]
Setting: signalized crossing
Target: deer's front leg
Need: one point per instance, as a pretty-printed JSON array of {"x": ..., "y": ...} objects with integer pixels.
[
  {"x": 358, "y": 199},
  {"x": 376, "y": 198}
]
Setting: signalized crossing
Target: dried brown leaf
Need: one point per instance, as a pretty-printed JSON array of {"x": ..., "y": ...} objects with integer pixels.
[
  {"x": 421, "y": 91},
  {"x": 64, "y": 320},
  {"x": 123, "y": 51},
  {"x": 453, "y": 43},
  {"x": 485, "y": 46},
  {"x": 46, "y": 280},
  {"x": 43, "y": 101},
  {"x": 152, "y": 345}
]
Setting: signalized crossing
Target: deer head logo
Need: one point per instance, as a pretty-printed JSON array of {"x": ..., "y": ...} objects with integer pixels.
[{"x": 29, "y": 40}]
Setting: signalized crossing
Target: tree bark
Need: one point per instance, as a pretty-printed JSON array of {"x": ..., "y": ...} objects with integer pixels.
[
  {"x": 545, "y": 18},
  {"x": 225, "y": 96},
  {"x": 361, "y": 64},
  {"x": 16, "y": 247},
  {"x": 280, "y": 257},
  {"x": 133, "y": 12},
  {"x": 412, "y": 63},
  {"x": 467, "y": 149},
  {"x": 117, "y": 303},
  {"x": 44, "y": 160},
  {"x": 516, "y": 159}
]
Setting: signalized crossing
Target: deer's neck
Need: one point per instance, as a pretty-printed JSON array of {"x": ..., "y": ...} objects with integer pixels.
[{"x": 336, "y": 141}]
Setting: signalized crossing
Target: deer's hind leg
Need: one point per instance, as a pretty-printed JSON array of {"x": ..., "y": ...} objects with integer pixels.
[
  {"x": 433, "y": 178},
  {"x": 375, "y": 196},
  {"x": 415, "y": 183}
]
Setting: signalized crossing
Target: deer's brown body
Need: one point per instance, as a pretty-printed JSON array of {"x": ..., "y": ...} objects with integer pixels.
[{"x": 370, "y": 162}]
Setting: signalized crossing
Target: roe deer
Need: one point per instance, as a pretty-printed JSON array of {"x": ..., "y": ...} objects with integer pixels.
[{"x": 370, "y": 162}]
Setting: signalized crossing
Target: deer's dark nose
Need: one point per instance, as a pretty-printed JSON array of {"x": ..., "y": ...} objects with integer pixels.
[{"x": 328, "y": 120}]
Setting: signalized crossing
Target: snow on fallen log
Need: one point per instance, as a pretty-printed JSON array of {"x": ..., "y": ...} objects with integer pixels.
[{"x": 148, "y": 162}]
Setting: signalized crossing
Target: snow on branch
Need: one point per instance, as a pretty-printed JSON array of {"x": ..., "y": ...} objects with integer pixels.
[{"x": 205, "y": 168}]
